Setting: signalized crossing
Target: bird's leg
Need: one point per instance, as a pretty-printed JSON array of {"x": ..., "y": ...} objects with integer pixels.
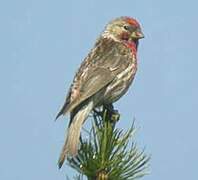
[{"x": 112, "y": 113}]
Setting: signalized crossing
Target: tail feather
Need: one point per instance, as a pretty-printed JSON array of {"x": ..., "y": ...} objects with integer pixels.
[
  {"x": 62, "y": 111},
  {"x": 71, "y": 144}
]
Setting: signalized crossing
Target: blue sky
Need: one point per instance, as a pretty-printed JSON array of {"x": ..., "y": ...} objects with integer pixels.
[{"x": 42, "y": 44}]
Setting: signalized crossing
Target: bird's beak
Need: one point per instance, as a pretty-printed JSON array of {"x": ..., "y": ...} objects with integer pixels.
[{"x": 137, "y": 34}]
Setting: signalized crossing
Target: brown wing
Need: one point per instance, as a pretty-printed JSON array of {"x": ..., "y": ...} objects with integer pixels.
[{"x": 101, "y": 66}]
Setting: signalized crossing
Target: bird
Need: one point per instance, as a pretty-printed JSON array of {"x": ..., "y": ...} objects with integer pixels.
[{"x": 103, "y": 77}]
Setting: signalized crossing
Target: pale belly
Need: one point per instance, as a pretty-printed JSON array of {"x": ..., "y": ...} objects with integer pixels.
[{"x": 120, "y": 85}]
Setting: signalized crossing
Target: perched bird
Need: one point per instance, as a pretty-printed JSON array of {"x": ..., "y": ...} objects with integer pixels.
[{"x": 103, "y": 77}]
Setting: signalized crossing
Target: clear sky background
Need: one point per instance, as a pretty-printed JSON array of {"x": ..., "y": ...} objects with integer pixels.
[{"x": 42, "y": 43}]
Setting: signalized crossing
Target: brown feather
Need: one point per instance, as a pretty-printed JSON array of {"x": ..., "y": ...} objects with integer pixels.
[{"x": 108, "y": 59}]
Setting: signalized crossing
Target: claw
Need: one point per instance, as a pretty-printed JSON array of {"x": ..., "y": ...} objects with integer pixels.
[{"x": 113, "y": 114}]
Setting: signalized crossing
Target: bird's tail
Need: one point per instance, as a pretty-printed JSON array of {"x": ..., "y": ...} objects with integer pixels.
[{"x": 71, "y": 144}]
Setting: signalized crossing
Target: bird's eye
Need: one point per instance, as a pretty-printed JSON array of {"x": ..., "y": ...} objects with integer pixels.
[{"x": 126, "y": 27}]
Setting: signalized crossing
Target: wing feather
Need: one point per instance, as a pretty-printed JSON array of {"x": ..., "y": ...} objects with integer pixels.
[{"x": 99, "y": 69}]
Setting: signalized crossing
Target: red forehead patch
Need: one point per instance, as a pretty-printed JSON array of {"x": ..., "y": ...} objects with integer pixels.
[{"x": 132, "y": 21}]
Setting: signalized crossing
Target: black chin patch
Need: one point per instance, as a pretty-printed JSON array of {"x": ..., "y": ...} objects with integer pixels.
[{"x": 136, "y": 43}]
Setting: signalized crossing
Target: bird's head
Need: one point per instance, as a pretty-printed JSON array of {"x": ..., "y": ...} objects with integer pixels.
[{"x": 124, "y": 29}]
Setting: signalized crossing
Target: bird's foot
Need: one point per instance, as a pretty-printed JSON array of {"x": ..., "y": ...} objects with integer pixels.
[
  {"x": 112, "y": 113},
  {"x": 115, "y": 116}
]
